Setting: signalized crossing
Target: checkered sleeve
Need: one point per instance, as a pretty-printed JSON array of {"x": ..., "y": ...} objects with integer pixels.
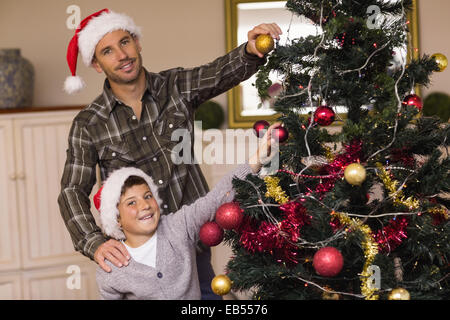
[
  {"x": 199, "y": 84},
  {"x": 76, "y": 184}
]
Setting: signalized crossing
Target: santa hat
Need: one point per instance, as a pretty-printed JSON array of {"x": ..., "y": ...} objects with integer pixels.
[
  {"x": 108, "y": 197},
  {"x": 90, "y": 31}
]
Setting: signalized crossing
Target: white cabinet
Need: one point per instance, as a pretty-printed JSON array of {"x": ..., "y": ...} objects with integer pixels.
[{"x": 35, "y": 246}]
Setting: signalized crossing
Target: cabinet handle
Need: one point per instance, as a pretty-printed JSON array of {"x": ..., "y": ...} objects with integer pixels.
[
  {"x": 12, "y": 176},
  {"x": 21, "y": 175}
]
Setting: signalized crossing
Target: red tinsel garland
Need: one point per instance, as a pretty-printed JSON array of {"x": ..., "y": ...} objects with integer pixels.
[
  {"x": 279, "y": 240},
  {"x": 392, "y": 235},
  {"x": 336, "y": 168}
]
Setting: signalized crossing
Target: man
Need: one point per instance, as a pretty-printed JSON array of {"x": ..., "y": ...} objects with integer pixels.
[{"x": 131, "y": 122}]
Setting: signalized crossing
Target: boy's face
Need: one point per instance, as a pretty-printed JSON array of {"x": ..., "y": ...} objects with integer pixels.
[{"x": 138, "y": 213}]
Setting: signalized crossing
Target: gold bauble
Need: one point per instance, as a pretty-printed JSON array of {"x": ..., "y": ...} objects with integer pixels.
[
  {"x": 399, "y": 294},
  {"x": 264, "y": 43},
  {"x": 355, "y": 174},
  {"x": 441, "y": 60},
  {"x": 221, "y": 285}
]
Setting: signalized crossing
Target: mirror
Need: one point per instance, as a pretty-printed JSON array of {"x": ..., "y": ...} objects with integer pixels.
[{"x": 244, "y": 104}]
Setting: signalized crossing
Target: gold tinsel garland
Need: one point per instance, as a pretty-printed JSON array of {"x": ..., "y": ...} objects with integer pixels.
[
  {"x": 274, "y": 190},
  {"x": 370, "y": 248},
  {"x": 397, "y": 195}
]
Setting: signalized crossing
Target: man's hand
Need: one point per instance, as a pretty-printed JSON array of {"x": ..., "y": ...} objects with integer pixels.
[
  {"x": 113, "y": 251},
  {"x": 265, "y": 28}
]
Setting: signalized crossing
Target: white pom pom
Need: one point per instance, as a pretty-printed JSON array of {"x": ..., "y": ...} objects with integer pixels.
[{"x": 73, "y": 84}]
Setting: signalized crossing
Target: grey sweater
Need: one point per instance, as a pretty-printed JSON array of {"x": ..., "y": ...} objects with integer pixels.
[{"x": 175, "y": 274}]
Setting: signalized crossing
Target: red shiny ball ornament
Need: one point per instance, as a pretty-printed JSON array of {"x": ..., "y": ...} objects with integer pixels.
[
  {"x": 211, "y": 234},
  {"x": 97, "y": 198},
  {"x": 229, "y": 216},
  {"x": 413, "y": 100},
  {"x": 324, "y": 115},
  {"x": 328, "y": 262},
  {"x": 260, "y": 127},
  {"x": 280, "y": 133}
]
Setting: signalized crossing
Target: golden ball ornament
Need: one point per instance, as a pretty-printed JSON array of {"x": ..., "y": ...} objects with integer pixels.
[
  {"x": 355, "y": 174},
  {"x": 264, "y": 43},
  {"x": 221, "y": 285},
  {"x": 399, "y": 294},
  {"x": 441, "y": 60}
]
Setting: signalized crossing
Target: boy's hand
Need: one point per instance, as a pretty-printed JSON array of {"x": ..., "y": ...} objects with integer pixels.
[
  {"x": 265, "y": 151},
  {"x": 113, "y": 251}
]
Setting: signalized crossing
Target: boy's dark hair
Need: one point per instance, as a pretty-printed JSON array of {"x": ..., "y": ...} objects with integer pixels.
[{"x": 131, "y": 182}]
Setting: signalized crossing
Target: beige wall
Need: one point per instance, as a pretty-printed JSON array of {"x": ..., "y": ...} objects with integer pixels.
[{"x": 175, "y": 33}]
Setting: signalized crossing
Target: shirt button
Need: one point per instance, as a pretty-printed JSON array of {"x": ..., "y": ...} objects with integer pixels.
[
  {"x": 165, "y": 206},
  {"x": 113, "y": 154},
  {"x": 155, "y": 159},
  {"x": 160, "y": 182},
  {"x": 133, "y": 117},
  {"x": 159, "y": 275},
  {"x": 144, "y": 138},
  {"x": 170, "y": 125}
]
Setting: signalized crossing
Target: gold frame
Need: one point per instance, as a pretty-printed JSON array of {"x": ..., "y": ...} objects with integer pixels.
[{"x": 235, "y": 119}]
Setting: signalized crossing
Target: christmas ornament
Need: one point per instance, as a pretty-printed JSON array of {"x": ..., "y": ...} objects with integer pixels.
[
  {"x": 324, "y": 116},
  {"x": 264, "y": 43},
  {"x": 221, "y": 285},
  {"x": 280, "y": 133},
  {"x": 260, "y": 128},
  {"x": 229, "y": 216},
  {"x": 441, "y": 60},
  {"x": 328, "y": 262},
  {"x": 355, "y": 174},
  {"x": 399, "y": 294},
  {"x": 413, "y": 100},
  {"x": 211, "y": 234}
]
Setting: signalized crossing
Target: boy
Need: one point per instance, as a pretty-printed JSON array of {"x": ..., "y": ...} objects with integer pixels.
[{"x": 162, "y": 247}]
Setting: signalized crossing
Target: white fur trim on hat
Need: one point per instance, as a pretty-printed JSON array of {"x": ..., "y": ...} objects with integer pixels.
[
  {"x": 73, "y": 84},
  {"x": 98, "y": 27},
  {"x": 110, "y": 198}
]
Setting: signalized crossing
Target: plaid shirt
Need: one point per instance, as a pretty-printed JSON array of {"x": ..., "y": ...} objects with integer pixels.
[{"x": 108, "y": 133}]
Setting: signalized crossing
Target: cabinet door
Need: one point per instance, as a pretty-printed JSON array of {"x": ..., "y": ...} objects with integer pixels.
[
  {"x": 41, "y": 143},
  {"x": 10, "y": 288},
  {"x": 9, "y": 231},
  {"x": 65, "y": 282}
]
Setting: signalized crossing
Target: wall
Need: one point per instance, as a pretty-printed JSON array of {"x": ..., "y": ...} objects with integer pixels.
[
  {"x": 434, "y": 26},
  {"x": 175, "y": 33}
]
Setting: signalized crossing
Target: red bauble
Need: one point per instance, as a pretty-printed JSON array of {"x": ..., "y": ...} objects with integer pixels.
[
  {"x": 328, "y": 262},
  {"x": 280, "y": 133},
  {"x": 229, "y": 216},
  {"x": 260, "y": 128},
  {"x": 211, "y": 234},
  {"x": 413, "y": 100},
  {"x": 324, "y": 115}
]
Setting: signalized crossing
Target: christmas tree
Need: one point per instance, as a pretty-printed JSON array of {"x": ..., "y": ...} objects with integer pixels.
[{"x": 361, "y": 213}]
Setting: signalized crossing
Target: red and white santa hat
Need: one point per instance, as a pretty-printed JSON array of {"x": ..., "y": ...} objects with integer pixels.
[
  {"x": 108, "y": 197},
  {"x": 87, "y": 35}
]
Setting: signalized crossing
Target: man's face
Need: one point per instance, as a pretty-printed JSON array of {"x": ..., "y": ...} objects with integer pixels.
[{"x": 118, "y": 55}]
